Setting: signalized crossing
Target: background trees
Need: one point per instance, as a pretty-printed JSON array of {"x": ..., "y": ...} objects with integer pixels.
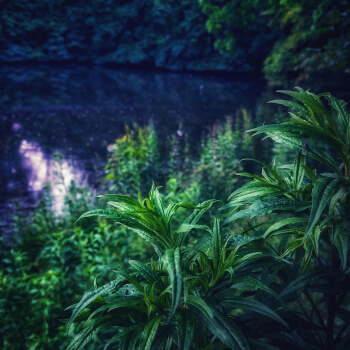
[{"x": 286, "y": 39}]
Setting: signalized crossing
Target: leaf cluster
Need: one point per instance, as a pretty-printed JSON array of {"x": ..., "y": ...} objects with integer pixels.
[{"x": 272, "y": 274}]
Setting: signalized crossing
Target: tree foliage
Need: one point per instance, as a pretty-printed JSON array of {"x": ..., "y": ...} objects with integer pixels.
[
  {"x": 286, "y": 39},
  {"x": 165, "y": 34},
  {"x": 293, "y": 38}
]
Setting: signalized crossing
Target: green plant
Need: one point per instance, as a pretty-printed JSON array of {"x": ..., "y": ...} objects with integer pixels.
[
  {"x": 50, "y": 264},
  {"x": 314, "y": 237},
  {"x": 218, "y": 160},
  {"x": 281, "y": 283},
  {"x": 134, "y": 160},
  {"x": 183, "y": 299}
]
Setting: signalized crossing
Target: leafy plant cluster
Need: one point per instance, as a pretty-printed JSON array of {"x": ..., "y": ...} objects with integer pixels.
[
  {"x": 54, "y": 259},
  {"x": 52, "y": 262},
  {"x": 188, "y": 172},
  {"x": 251, "y": 279}
]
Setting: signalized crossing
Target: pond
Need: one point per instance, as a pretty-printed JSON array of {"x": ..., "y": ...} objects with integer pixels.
[{"x": 79, "y": 110}]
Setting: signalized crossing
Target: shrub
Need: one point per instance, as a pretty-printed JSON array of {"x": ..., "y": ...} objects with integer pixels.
[{"x": 283, "y": 282}]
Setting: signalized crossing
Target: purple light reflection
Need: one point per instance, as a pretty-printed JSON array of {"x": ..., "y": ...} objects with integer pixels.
[
  {"x": 35, "y": 163},
  {"x": 42, "y": 170}
]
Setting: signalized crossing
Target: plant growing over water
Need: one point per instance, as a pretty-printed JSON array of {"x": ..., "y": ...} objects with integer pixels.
[{"x": 291, "y": 276}]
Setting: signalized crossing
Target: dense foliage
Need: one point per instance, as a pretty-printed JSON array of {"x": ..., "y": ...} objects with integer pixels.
[
  {"x": 308, "y": 37},
  {"x": 286, "y": 39},
  {"x": 165, "y": 34},
  {"x": 50, "y": 265},
  {"x": 254, "y": 280},
  {"x": 54, "y": 259}
]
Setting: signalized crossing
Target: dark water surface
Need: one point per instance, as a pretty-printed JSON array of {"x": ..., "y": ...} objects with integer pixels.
[{"x": 79, "y": 110}]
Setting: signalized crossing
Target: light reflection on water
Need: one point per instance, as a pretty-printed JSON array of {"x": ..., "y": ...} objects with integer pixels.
[
  {"x": 41, "y": 170},
  {"x": 79, "y": 110}
]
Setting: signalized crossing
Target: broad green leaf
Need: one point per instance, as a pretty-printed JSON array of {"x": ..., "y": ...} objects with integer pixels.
[
  {"x": 315, "y": 237},
  {"x": 311, "y": 101},
  {"x": 106, "y": 213},
  {"x": 322, "y": 157},
  {"x": 88, "y": 332},
  {"x": 217, "y": 242},
  {"x": 255, "y": 283},
  {"x": 263, "y": 207},
  {"x": 150, "y": 275},
  {"x": 298, "y": 131},
  {"x": 247, "y": 258},
  {"x": 250, "y": 192},
  {"x": 224, "y": 328},
  {"x": 298, "y": 171},
  {"x": 250, "y": 304},
  {"x": 296, "y": 106},
  {"x": 149, "y": 332},
  {"x": 91, "y": 296},
  {"x": 173, "y": 263},
  {"x": 290, "y": 141},
  {"x": 310, "y": 174},
  {"x": 130, "y": 301},
  {"x": 289, "y": 221},
  {"x": 185, "y": 329},
  {"x": 188, "y": 227},
  {"x": 342, "y": 116},
  {"x": 134, "y": 224},
  {"x": 199, "y": 304},
  {"x": 322, "y": 194},
  {"x": 238, "y": 239},
  {"x": 159, "y": 203},
  {"x": 305, "y": 281},
  {"x": 130, "y": 277},
  {"x": 127, "y": 200},
  {"x": 193, "y": 219},
  {"x": 341, "y": 241}
]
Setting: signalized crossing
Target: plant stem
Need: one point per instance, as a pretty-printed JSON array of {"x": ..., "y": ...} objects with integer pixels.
[
  {"x": 332, "y": 303},
  {"x": 315, "y": 309},
  {"x": 330, "y": 343},
  {"x": 308, "y": 318}
]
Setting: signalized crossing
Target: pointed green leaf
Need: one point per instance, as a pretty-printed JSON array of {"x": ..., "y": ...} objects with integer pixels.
[
  {"x": 244, "y": 281},
  {"x": 224, "y": 328},
  {"x": 322, "y": 194},
  {"x": 91, "y": 296},
  {"x": 217, "y": 242},
  {"x": 185, "y": 330},
  {"x": 266, "y": 206},
  {"x": 341, "y": 241},
  {"x": 289, "y": 221},
  {"x": 199, "y": 304},
  {"x": 238, "y": 239},
  {"x": 299, "y": 171},
  {"x": 173, "y": 263},
  {"x": 149, "y": 333},
  {"x": 146, "y": 272},
  {"x": 250, "y": 304},
  {"x": 305, "y": 281}
]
